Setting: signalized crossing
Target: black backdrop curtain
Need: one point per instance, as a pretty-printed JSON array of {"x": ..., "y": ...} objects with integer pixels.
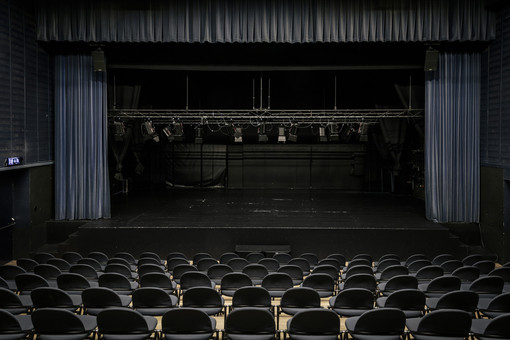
[{"x": 286, "y": 21}]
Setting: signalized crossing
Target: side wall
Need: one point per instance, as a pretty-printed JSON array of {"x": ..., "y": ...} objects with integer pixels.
[{"x": 495, "y": 142}]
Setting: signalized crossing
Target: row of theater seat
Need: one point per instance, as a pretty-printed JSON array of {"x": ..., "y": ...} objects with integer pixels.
[{"x": 293, "y": 296}]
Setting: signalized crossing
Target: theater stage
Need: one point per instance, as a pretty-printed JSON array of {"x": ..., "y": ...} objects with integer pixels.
[{"x": 218, "y": 220}]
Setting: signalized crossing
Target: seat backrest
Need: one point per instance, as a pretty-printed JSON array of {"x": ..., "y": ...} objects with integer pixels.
[
  {"x": 319, "y": 281},
  {"x": 271, "y": 264},
  {"x": 253, "y": 296},
  {"x": 235, "y": 281},
  {"x": 29, "y": 281},
  {"x": 100, "y": 257},
  {"x": 179, "y": 270},
  {"x": 205, "y": 263},
  {"x": 217, "y": 271},
  {"x": 407, "y": 299},
  {"x": 201, "y": 297},
  {"x": 301, "y": 263},
  {"x": 126, "y": 256},
  {"x": 467, "y": 273},
  {"x": 194, "y": 279},
  {"x": 459, "y": 299},
  {"x": 254, "y": 257},
  {"x": 312, "y": 258},
  {"x": 282, "y": 258},
  {"x": 151, "y": 297},
  {"x": 277, "y": 281},
  {"x": 42, "y": 257},
  {"x": 381, "y": 321},
  {"x": 9, "y": 272},
  {"x": 394, "y": 270},
  {"x": 8, "y": 323},
  {"x": 367, "y": 257},
  {"x": 500, "y": 303},
  {"x": 156, "y": 280},
  {"x": 444, "y": 284},
  {"x": 72, "y": 281},
  {"x": 450, "y": 265},
  {"x": 339, "y": 257},
  {"x": 9, "y": 299},
  {"x": 472, "y": 259},
  {"x": 237, "y": 264},
  {"x": 48, "y": 271},
  {"x": 121, "y": 321},
  {"x": 316, "y": 321},
  {"x": 301, "y": 297},
  {"x": 250, "y": 321},
  {"x": 91, "y": 262},
  {"x": 175, "y": 254},
  {"x": 148, "y": 260},
  {"x": 27, "y": 264},
  {"x": 72, "y": 257},
  {"x": 150, "y": 268},
  {"x": 445, "y": 322},
  {"x": 199, "y": 256},
  {"x": 488, "y": 285},
  {"x": 357, "y": 262},
  {"x": 330, "y": 261},
  {"x": 61, "y": 264},
  {"x": 358, "y": 269},
  {"x": 389, "y": 256},
  {"x": 99, "y": 297},
  {"x": 114, "y": 281},
  {"x": 502, "y": 272},
  {"x": 429, "y": 272},
  {"x": 387, "y": 263},
  {"x": 174, "y": 262},
  {"x": 51, "y": 297},
  {"x": 225, "y": 257},
  {"x": 366, "y": 281},
  {"x": 441, "y": 258},
  {"x": 295, "y": 272},
  {"x": 84, "y": 269},
  {"x": 327, "y": 269},
  {"x": 401, "y": 282},
  {"x": 485, "y": 266},
  {"x": 119, "y": 260},
  {"x": 149, "y": 255},
  {"x": 186, "y": 321},
  {"x": 56, "y": 321},
  {"x": 256, "y": 271},
  {"x": 415, "y": 257},
  {"x": 499, "y": 327},
  {"x": 416, "y": 265},
  {"x": 355, "y": 298}
]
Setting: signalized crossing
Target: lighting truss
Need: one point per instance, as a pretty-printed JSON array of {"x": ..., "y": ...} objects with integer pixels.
[{"x": 269, "y": 116}]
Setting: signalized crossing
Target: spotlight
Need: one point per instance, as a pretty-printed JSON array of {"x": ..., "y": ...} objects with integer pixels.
[
  {"x": 333, "y": 132},
  {"x": 148, "y": 131},
  {"x": 167, "y": 132},
  {"x": 322, "y": 134},
  {"x": 293, "y": 131},
  {"x": 262, "y": 133},
  {"x": 238, "y": 134},
  {"x": 281, "y": 135},
  {"x": 178, "y": 132},
  {"x": 363, "y": 130},
  {"x": 199, "y": 139},
  {"x": 119, "y": 131}
]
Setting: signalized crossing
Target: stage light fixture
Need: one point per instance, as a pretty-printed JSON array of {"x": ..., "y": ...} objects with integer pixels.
[
  {"x": 167, "y": 132},
  {"x": 293, "y": 131},
  {"x": 119, "y": 130},
  {"x": 322, "y": 134},
  {"x": 199, "y": 133},
  {"x": 178, "y": 132},
  {"x": 149, "y": 132},
  {"x": 262, "y": 133},
  {"x": 281, "y": 135},
  {"x": 363, "y": 132},
  {"x": 333, "y": 132},
  {"x": 238, "y": 134}
]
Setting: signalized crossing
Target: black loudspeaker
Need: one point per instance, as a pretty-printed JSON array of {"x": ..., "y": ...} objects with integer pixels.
[
  {"x": 431, "y": 59},
  {"x": 98, "y": 61}
]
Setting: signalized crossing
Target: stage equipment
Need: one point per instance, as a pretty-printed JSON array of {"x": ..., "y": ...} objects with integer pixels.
[
  {"x": 322, "y": 134},
  {"x": 293, "y": 131},
  {"x": 281, "y": 135},
  {"x": 199, "y": 134},
  {"x": 333, "y": 132},
  {"x": 262, "y": 133},
  {"x": 238, "y": 134},
  {"x": 431, "y": 59},
  {"x": 98, "y": 60},
  {"x": 149, "y": 132},
  {"x": 119, "y": 130}
]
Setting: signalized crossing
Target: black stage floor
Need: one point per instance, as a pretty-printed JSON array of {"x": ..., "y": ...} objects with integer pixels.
[
  {"x": 218, "y": 220},
  {"x": 296, "y": 209}
]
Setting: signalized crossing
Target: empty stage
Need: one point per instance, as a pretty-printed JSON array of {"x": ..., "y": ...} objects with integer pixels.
[{"x": 216, "y": 220}]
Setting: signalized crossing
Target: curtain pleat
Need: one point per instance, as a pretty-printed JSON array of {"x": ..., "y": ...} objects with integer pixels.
[
  {"x": 81, "y": 170},
  {"x": 452, "y": 157},
  {"x": 298, "y": 21}
]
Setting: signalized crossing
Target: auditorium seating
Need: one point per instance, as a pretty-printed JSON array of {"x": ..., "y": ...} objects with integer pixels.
[{"x": 159, "y": 288}]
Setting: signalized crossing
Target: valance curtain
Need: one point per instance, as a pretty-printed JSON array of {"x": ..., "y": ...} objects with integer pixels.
[
  {"x": 81, "y": 163},
  {"x": 284, "y": 21},
  {"x": 452, "y": 139}
]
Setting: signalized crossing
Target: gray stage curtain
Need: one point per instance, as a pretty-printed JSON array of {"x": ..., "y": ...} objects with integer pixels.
[
  {"x": 452, "y": 158},
  {"x": 81, "y": 166},
  {"x": 289, "y": 21}
]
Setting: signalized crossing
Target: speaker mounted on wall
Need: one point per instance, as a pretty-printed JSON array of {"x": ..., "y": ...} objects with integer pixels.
[
  {"x": 98, "y": 60},
  {"x": 431, "y": 59}
]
